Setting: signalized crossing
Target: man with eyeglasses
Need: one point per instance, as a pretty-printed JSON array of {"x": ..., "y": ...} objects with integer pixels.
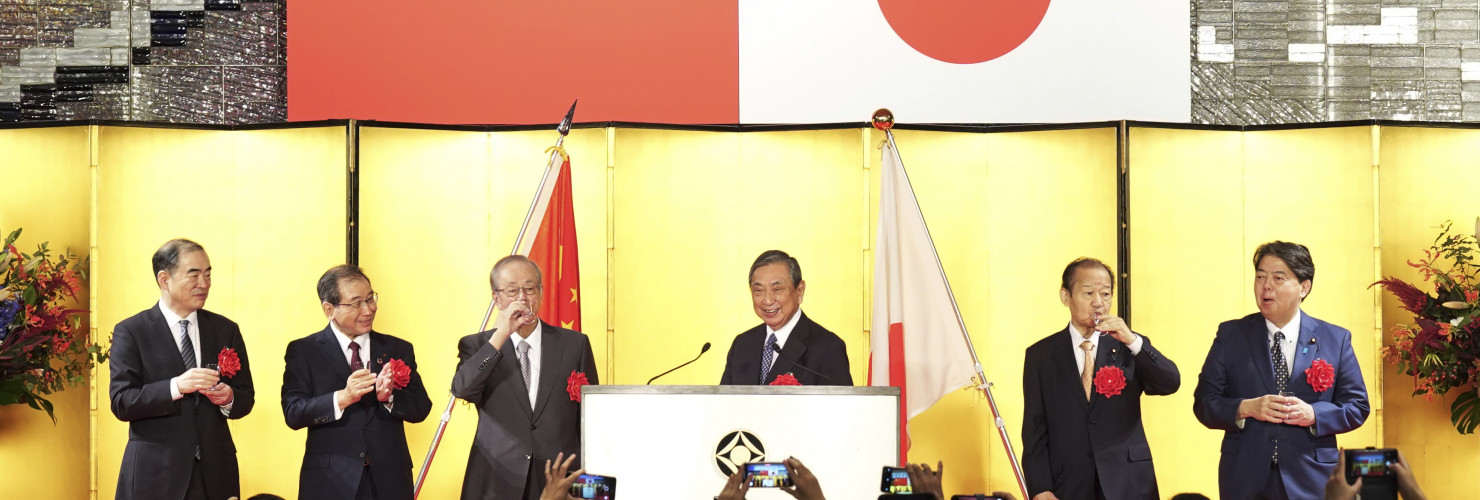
[
  {"x": 522, "y": 376},
  {"x": 336, "y": 384}
]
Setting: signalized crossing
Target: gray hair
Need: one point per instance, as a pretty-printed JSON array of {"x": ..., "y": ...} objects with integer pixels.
[
  {"x": 769, "y": 257},
  {"x": 329, "y": 282},
  {"x": 493, "y": 275},
  {"x": 167, "y": 258}
]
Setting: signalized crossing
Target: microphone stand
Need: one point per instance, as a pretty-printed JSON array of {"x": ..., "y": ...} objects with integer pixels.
[
  {"x": 563, "y": 128},
  {"x": 696, "y": 358}
]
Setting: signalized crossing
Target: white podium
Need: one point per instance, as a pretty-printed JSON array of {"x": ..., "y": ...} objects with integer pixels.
[{"x": 679, "y": 442}]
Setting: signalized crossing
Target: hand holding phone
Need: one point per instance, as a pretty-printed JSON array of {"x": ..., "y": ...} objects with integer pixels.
[
  {"x": 592, "y": 486},
  {"x": 767, "y": 475},
  {"x": 895, "y": 480}
]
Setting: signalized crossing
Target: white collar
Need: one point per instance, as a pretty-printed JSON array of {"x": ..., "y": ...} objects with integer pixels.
[
  {"x": 1291, "y": 329},
  {"x": 1076, "y": 338},
  {"x": 534, "y": 336},
  {"x": 174, "y": 319},
  {"x": 786, "y": 329},
  {"x": 344, "y": 340}
]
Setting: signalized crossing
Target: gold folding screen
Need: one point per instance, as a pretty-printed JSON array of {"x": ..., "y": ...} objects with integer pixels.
[
  {"x": 669, "y": 221},
  {"x": 268, "y": 206}
]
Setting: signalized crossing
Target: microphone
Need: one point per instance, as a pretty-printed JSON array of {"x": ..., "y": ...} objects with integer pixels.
[
  {"x": 799, "y": 364},
  {"x": 696, "y": 358}
]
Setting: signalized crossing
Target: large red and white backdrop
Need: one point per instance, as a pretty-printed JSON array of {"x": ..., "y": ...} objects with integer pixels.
[{"x": 751, "y": 61}]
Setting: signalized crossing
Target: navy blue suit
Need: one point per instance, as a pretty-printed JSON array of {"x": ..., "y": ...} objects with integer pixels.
[
  {"x": 338, "y": 451},
  {"x": 1239, "y": 367}
]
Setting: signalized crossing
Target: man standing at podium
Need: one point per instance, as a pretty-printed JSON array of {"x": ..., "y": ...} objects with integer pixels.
[
  {"x": 786, "y": 341},
  {"x": 1082, "y": 386},
  {"x": 524, "y": 376}
]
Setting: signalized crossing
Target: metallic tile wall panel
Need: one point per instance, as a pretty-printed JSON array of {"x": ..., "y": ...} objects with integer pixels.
[
  {"x": 1342, "y": 60},
  {"x": 10, "y": 93},
  {"x": 71, "y": 56},
  {"x": 177, "y": 5},
  {"x": 190, "y": 94},
  {"x": 38, "y": 56},
  {"x": 101, "y": 37},
  {"x": 27, "y": 75}
]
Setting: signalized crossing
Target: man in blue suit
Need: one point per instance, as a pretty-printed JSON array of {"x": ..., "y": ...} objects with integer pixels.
[{"x": 1279, "y": 430}]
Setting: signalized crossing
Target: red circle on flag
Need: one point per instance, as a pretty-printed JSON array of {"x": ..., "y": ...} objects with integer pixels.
[{"x": 964, "y": 31}]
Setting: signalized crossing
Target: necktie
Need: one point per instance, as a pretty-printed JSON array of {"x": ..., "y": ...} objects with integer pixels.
[
  {"x": 1281, "y": 377},
  {"x": 354, "y": 357},
  {"x": 1088, "y": 375},
  {"x": 187, "y": 348},
  {"x": 523, "y": 349},
  {"x": 767, "y": 356}
]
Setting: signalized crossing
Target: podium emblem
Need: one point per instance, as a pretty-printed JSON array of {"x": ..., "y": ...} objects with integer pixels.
[{"x": 736, "y": 449}]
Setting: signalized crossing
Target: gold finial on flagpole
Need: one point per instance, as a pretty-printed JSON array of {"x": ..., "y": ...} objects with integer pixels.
[{"x": 883, "y": 119}]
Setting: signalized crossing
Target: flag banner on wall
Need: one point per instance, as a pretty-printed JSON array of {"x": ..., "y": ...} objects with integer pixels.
[
  {"x": 731, "y": 61},
  {"x": 916, "y": 344},
  {"x": 554, "y": 248}
]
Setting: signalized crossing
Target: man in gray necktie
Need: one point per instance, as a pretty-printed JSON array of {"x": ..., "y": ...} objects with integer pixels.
[
  {"x": 165, "y": 382},
  {"x": 519, "y": 374}
]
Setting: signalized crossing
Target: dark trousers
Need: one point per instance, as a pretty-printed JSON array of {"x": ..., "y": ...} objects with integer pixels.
[
  {"x": 366, "y": 490},
  {"x": 197, "y": 488},
  {"x": 1274, "y": 486}
]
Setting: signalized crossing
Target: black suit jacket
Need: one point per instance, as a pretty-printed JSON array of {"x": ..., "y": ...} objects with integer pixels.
[
  {"x": 164, "y": 435},
  {"x": 337, "y": 450},
  {"x": 810, "y": 346},
  {"x": 1066, "y": 437},
  {"x": 513, "y": 439}
]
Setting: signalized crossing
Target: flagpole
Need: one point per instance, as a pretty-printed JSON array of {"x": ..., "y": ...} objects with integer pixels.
[
  {"x": 984, "y": 386},
  {"x": 563, "y": 128}
]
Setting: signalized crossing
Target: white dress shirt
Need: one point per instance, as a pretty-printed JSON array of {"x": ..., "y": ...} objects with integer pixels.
[
  {"x": 785, "y": 331},
  {"x": 534, "y": 340},
  {"x": 1077, "y": 337},
  {"x": 1292, "y": 333},
  {"x": 344, "y": 340},
  {"x": 173, "y": 320}
]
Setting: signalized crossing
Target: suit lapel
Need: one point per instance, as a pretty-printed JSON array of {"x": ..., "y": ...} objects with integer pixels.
[
  {"x": 796, "y": 346},
  {"x": 552, "y": 351},
  {"x": 1306, "y": 351},
  {"x": 1257, "y": 339},
  {"x": 379, "y": 351},
  {"x": 328, "y": 349},
  {"x": 1065, "y": 368},
  {"x": 164, "y": 341}
]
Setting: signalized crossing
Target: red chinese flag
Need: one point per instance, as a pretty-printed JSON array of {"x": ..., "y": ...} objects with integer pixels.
[{"x": 554, "y": 250}]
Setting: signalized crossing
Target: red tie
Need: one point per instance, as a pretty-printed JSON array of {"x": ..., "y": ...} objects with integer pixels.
[{"x": 354, "y": 357}]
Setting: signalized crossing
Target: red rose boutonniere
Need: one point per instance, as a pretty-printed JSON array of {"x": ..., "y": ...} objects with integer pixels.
[
  {"x": 786, "y": 379},
  {"x": 574, "y": 383},
  {"x": 400, "y": 373},
  {"x": 227, "y": 362},
  {"x": 1320, "y": 375},
  {"x": 1109, "y": 381}
]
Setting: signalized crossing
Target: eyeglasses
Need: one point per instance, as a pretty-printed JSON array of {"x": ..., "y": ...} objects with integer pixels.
[
  {"x": 374, "y": 297},
  {"x": 513, "y": 291}
]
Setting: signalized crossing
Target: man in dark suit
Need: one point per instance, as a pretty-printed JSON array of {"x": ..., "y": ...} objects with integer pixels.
[
  {"x": 786, "y": 341},
  {"x": 1082, "y": 386},
  {"x": 334, "y": 383},
  {"x": 179, "y": 445},
  {"x": 1279, "y": 437},
  {"x": 520, "y": 374}
]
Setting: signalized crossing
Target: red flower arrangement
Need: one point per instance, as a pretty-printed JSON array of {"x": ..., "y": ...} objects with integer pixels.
[
  {"x": 1320, "y": 375},
  {"x": 1440, "y": 349},
  {"x": 43, "y": 348},
  {"x": 228, "y": 362},
  {"x": 399, "y": 372},
  {"x": 786, "y": 379},
  {"x": 574, "y": 383},
  {"x": 1109, "y": 381}
]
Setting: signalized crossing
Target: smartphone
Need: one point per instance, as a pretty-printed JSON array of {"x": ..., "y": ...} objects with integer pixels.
[
  {"x": 767, "y": 475},
  {"x": 896, "y": 480},
  {"x": 1370, "y": 463},
  {"x": 594, "y": 487},
  {"x": 975, "y": 497}
]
